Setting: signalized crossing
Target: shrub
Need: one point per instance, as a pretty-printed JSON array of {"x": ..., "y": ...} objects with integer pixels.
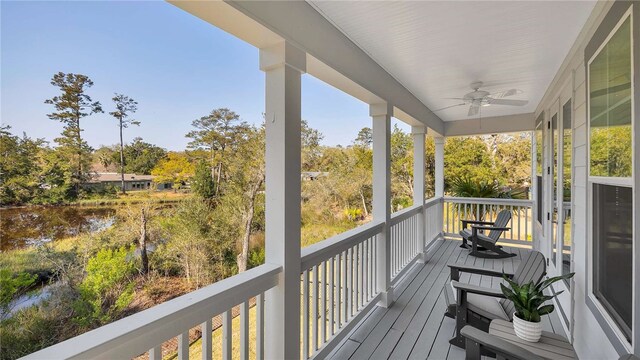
[{"x": 107, "y": 287}]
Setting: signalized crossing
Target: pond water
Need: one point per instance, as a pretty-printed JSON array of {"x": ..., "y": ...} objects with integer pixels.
[{"x": 28, "y": 226}]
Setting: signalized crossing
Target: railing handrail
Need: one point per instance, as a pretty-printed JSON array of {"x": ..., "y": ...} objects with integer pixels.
[
  {"x": 493, "y": 201},
  {"x": 433, "y": 201},
  {"x": 323, "y": 250},
  {"x": 404, "y": 214},
  {"x": 135, "y": 334}
]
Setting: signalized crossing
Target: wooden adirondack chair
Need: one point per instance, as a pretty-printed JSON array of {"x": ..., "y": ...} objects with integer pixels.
[
  {"x": 480, "y": 242},
  {"x": 477, "y": 306}
]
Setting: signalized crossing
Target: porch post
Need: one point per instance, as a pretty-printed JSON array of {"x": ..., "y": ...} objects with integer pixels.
[
  {"x": 381, "y": 116},
  {"x": 283, "y": 65},
  {"x": 418, "y": 133},
  {"x": 439, "y": 174}
]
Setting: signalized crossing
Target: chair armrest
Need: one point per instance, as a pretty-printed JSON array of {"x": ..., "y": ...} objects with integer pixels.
[
  {"x": 458, "y": 268},
  {"x": 474, "y": 289},
  {"x": 495, "y": 344},
  {"x": 476, "y": 222},
  {"x": 490, "y": 228}
]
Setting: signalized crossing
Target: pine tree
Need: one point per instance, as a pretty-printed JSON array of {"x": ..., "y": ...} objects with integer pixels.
[
  {"x": 71, "y": 106},
  {"x": 125, "y": 106}
]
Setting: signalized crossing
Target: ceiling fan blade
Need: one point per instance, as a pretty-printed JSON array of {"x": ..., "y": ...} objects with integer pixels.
[
  {"x": 454, "y": 98},
  {"x": 508, "y": 102},
  {"x": 473, "y": 109},
  {"x": 447, "y": 107},
  {"x": 506, "y": 93}
]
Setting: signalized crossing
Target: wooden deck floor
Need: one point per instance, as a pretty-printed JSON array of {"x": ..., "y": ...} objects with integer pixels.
[{"x": 414, "y": 327}]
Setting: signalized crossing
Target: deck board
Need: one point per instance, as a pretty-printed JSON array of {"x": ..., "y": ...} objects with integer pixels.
[{"x": 414, "y": 327}]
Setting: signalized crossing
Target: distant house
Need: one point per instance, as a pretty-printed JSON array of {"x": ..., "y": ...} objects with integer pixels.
[{"x": 131, "y": 181}]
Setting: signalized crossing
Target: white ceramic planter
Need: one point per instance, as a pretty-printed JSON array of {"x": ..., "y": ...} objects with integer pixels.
[{"x": 527, "y": 331}]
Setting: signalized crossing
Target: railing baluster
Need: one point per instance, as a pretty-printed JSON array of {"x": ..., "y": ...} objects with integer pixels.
[
  {"x": 244, "y": 330},
  {"x": 360, "y": 275},
  {"x": 305, "y": 314},
  {"x": 314, "y": 311},
  {"x": 207, "y": 348},
  {"x": 226, "y": 335},
  {"x": 511, "y": 231},
  {"x": 183, "y": 346},
  {"x": 260, "y": 326},
  {"x": 350, "y": 283},
  {"x": 156, "y": 353},
  {"x": 518, "y": 208},
  {"x": 332, "y": 303},
  {"x": 345, "y": 284},
  {"x": 339, "y": 300},
  {"x": 323, "y": 314}
]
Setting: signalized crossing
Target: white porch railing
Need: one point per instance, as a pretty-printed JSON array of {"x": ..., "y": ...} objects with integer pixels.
[
  {"x": 457, "y": 209},
  {"x": 405, "y": 243},
  {"x": 338, "y": 283},
  {"x": 147, "y": 330}
]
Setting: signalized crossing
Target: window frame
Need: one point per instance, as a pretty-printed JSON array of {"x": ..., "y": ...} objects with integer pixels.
[{"x": 629, "y": 182}]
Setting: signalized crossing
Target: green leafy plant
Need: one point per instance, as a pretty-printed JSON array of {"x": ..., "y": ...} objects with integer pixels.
[{"x": 529, "y": 299}]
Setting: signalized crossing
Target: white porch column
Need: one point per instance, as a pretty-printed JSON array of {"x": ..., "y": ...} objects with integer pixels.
[
  {"x": 381, "y": 116},
  {"x": 439, "y": 174},
  {"x": 283, "y": 65},
  {"x": 418, "y": 133}
]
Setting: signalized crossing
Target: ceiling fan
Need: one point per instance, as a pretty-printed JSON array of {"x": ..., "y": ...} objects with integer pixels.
[{"x": 478, "y": 98}]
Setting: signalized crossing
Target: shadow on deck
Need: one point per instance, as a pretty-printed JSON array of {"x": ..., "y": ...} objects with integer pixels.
[{"x": 414, "y": 327}]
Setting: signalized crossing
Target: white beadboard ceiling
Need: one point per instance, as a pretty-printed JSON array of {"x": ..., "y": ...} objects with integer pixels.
[{"x": 437, "y": 48}]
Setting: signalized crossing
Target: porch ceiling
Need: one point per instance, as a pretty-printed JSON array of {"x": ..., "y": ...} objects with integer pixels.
[{"x": 437, "y": 48}]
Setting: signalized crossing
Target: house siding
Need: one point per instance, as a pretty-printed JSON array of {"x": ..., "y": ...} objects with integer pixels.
[{"x": 590, "y": 339}]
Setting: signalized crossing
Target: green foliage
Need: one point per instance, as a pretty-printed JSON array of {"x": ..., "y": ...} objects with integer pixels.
[
  {"x": 256, "y": 257},
  {"x": 353, "y": 214},
  {"x": 107, "y": 288},
  {"x": 529, "y": 299},
  {"x": 141, "y": 157},
  {"x": 10, "y": 285},
  {"x": 175, "y": 168},
  {"x": 202, "y": 183}
]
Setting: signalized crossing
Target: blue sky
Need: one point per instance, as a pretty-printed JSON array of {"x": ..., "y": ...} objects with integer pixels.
[{"x": 176, "y": 66}]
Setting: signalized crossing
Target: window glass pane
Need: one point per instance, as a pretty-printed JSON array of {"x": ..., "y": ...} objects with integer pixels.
[
  {"x": 612, "y": 245},
  {"x": 610, "y": 107},
  {"x": 539, "y": 134},
  {"x": 566, "y": 188}
]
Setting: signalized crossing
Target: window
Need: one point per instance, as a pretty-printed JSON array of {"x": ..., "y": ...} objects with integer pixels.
[
  {"x": 611, "y": 175},
  {"x": 612, "y": 260},
  {"x": 539, "y": 139},
  {"x": 610, "y": 106}
]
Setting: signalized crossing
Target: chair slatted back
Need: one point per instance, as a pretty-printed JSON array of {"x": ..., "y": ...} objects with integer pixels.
[
  {"x": 532, "y": 268},
  {"x": 502, "y": 220}
]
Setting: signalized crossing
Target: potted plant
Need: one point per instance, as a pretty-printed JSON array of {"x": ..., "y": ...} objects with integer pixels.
[{"x": 529, "y": 300}]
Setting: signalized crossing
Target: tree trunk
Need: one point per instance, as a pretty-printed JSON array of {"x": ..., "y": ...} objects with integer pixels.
[
  {"x": 241, "y": 259},
  {"x": 122, "y": 159},
  {"x": 79, "y": 144},
  {"x": 364, "y": 205},
  {"x": 142, "y": 241}
]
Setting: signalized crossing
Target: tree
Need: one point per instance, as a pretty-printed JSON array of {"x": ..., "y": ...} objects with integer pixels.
[
  {"x": 311, "y": 150},
  {"x": 364, "y": 138},
  {"x": 202, "y": 184},
  {"x": 247, "y": 175},
  {"x": 216, "y": 133},
  {"x": 70, "y": 107},
  {"x": 19, "y": 167},
  {"x": 138, "y": 225},
  {"x": 125, "y": 106},
  {"x": 141, "y": 157},
  {"x": 175, "y": 169}
]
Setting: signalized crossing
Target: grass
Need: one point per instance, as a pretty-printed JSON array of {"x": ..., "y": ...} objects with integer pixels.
[
  {"x": 312, "y": 233},
  {"x": 195, "y": 349},
  {"x": 133, "y": 197}
]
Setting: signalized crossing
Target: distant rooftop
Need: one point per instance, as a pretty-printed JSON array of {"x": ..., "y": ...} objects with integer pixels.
[{"x": 113, "y": 176}]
